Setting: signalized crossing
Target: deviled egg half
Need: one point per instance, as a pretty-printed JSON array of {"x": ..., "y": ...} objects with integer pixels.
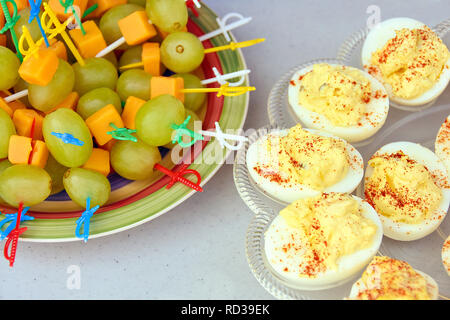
[
  {"x": 344, "y": 101},
  {"x": 296, "y": 163},
  {"x": 442, "y": 144},
  {"x": 408, "y": 186},
  {"x": 323, "y": 241},
  {"x": 390, "y": 279},
  {"x": 409, "y": 59}
]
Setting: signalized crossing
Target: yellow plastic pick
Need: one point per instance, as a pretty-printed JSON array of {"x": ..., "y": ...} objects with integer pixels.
[
  {"x": 224, "y": 90},
  {"x": 230, "y": 46},
  {"x": 235, "y": 45},
  {"x": 32, "y": 46},
  {"x": 59, "y": 29}
]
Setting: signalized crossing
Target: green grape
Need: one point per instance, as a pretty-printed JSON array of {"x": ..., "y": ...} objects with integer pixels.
[
  {"x": 7, "y": 129},
  {"x": 96, "y": 99},
  {"x": 9, "y": 68},
  {"x": 134, "y": 82},
  {"x": 134, "y": 160},
  {"x": 168, "y": 15},
  {"x": 45, "y": 98},
  {"x": 191, "y": 126},
  {"x": 96, "y": 73},
  {"x": 20, "y": 86},
  {"x": 30, "y": 185},
  {"x": 132, "y": 55},
  {"x": 138, "y": 2},
  {"x": 4, "y": 164},
  {"x": 182, "y": 52},
  {"x": 56, "y": 172},
  {"x": 111, "y": 57},
  {"x": 154, "y": 119},
  {"x": 192, "y": 101},
  {"x": 81, "y": 184},
  {"x": 67, "y": 121},
  {"x": 33, "y": 27},
  {"x": 109, "y": 21}
]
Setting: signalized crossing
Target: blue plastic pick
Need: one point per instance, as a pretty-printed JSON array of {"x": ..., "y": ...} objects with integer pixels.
[
  {"x": 68, "y": 138},
  {"x": 35, "y": 6},
  {"x": 12, "y": 220},
  {"x": 85, "y": 221}
]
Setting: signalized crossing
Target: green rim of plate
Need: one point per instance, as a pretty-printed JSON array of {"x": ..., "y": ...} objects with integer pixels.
[{"x": 233, "y": 116}]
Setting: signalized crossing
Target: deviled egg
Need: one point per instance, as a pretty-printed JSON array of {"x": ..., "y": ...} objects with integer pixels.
[
  {"x": 323, "y": 241},
  {"x": 390, "y": 279},
  {"x": 408, "y": 186},
  {"x": 446, "y": 255},
  {"x": 442, "y": 144},
  {"x": 409, "y": 59},
  {"x": 344, "y": 101},
  {"x": 297, "y": 163}
]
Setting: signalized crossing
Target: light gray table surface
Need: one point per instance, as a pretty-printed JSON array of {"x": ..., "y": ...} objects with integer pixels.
[{"x": 197, "y": 250}]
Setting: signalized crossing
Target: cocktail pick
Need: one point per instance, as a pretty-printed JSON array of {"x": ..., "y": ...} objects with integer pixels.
[
  {"x": 122, "y": 133},
  {"x": 10, "y": 248},
  {"x": 178, "y": 176},
  {"x": 58, "y": 29},
  {"x": 224, "y": 90},
  {"x": 35, "y": 6},
  {"x": 182, "y": 130},
  {"x": 89, "y": 10},
  {"x": 222, "y": 78},
  {"x": 12, "y": 220},
  {"x": 192, "y": 4},
  {"x": 85, "y": 221},
  {"x": 67, "y": 138},
  {"x": 230, "y": 46},
  {"x": 68, "y": 5},
  {"x": 10, "y": 23},
  {"x": 224, "y": 28}
]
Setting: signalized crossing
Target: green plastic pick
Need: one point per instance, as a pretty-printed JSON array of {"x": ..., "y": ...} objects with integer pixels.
[
  {"x": 68, "y": 4},
  {"x": 182, "y": 130},
  {"x": 89, "y": 10},
  {"x": 10, "y": 23},
  {"x": 122, "y": 133}
]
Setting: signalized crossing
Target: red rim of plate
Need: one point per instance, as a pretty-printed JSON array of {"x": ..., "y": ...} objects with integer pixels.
[{"x": 213, "y": 113}]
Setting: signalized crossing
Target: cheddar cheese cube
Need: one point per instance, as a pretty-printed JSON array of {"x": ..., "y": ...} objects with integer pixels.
[
  {"x": 3, "y": 39},
  {"x": 103, "y": 6},
  {"x": 99, "y": 123},
  {"x": 39, "y": 68},
  {"x": 23, "y": 120},
  {"x": 151, "y": 57},
  {"x": 136, "y": 29},
  {"x": 92, "y": 42},
  {"x": 166, "y": 85},
  {"x": 5, "y": 106},
  {"x": 109, "y": 145},
  {"x": 130, "y": 110},
  {"x": 70, "y": 102},
  {"x": 19, "y": 149},
  {"x": 58, "y": 47},
  {"x": 39, "y": 154},
  {"x": 59, "y": 10},
  {"x": 99, "y": 161}
]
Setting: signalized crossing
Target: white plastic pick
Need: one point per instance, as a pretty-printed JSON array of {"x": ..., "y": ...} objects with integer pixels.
[
  {"x": 222, "y": 78},
  {"x": 17, "y": 96},
  {"x": 220, "y": 136},
  {"x": 224, "y": 28}
]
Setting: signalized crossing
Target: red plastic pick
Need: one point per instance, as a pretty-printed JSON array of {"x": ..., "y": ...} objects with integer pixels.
[
  {"x": 191, "y": 5},
  {"x": 13, "y": 239},
  {"x": 178, "y": 177}
]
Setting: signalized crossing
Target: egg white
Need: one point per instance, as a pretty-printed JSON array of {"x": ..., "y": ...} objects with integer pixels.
[
  {"x": 377, "y": 39},
  {"x": 432, "y": 287},
  {"x": 446, "y": 255},
  {"x": 442, "y": 145},
  {"x": 280, "y": 233},
  {"x": 408, "y": 232},
  {"x": 287, "y": 193},
  {"x": 377, "y": 110}
]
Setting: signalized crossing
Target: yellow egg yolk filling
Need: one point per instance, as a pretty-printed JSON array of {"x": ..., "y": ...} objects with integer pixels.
[
  {"x": 331, "y": 226},
  {"x": 337, "y": 92},
  {"x": 402, "y": 189},
  {"x": 411, "y": 62},
  {"x": 304, "y": 158},
  {"x": 390, "y": 279}
]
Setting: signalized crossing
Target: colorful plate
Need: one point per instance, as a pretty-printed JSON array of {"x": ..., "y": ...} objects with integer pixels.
[{"x": 133, "y": 203}]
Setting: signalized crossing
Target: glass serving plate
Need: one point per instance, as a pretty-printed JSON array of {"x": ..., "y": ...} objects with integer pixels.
[{"x": 423, "y": 254}]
